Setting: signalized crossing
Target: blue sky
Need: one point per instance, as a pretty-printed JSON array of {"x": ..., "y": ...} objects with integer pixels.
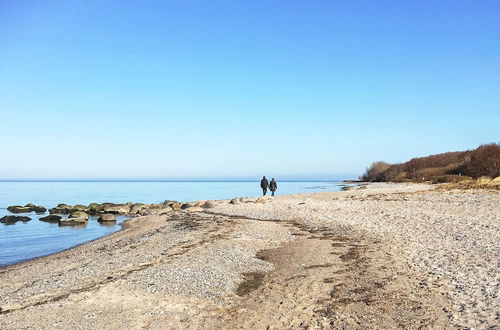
[{"x": 239, "y": 89}]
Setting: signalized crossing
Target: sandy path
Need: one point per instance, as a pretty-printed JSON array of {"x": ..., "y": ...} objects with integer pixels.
[{"x": 450, "y": 238}]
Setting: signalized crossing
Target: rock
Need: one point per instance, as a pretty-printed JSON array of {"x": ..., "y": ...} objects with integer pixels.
[
  {"x": 79, "y": 214},
  {"x": 51, "y": 218},
  {"x": 30, "y": 207},
  {"x": 138, "y": 208},
  {"x": 115, "y": 208},
  {"x": 208, "y": 205},
  {"x": 20, "y": 209},
  {"x": 12, "y": 219},
  {"x": 106, "y": 217},
  {"x": 168, "y": 202},
  {"x": 156, "y": 211},
  {"x": 80, "y": 207},
  {"x": 200, "y": 203},
  {"x": 94, "y": 208},
  {"x": 39, "y": 209},
  {"x": 61, "y": 209},
  {"x": 262, "y": 200},
  {"x": 176, "y": 206},
  {"x": 186, "y": 206},
  {"x": 72, "y": 222},
  {"x": 234, "y": 201}
]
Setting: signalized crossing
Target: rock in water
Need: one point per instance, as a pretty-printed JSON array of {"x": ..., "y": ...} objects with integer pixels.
[
  {"x": 61, "y": 209},
  {"x": 20, "y": 209},
  {"x": 115, "y": 208},
  {"x": 79, "y": 214},
  {"x": 80, "y": 207},
  {"x": 72, "y": 222},
  {"x": 39, "y": 209},
  {"x": 51, "y": 218},
  {"x": 12, "y": 219},
  {"x": 94, "y": 208},
  {"x": 138, "y": 208},
  {"x": 106, "y": 217}
]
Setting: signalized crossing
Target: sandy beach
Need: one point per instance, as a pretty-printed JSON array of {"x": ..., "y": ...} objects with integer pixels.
[{"x": 378, "y": 256}]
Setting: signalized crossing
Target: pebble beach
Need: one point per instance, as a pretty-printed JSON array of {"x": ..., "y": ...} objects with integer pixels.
[{"x": 377, "y": 256}]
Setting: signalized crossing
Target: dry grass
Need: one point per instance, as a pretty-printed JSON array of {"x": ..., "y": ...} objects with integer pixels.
[{"x": 481, "y": 183}]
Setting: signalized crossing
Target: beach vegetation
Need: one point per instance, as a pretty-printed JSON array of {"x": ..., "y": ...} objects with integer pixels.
[{"x": 482, "y": 163}]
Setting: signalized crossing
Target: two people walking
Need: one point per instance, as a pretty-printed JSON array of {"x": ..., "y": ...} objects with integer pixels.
[{"x": 264, "y": 184}]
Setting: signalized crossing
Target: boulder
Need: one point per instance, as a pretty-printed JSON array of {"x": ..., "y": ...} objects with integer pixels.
[
  {"x": 61, "y": 209},
  {"x": 39, "y": 209},
  {"x": 115, "y": 208},
  {"x": 106, "y": 217},
  {"x": 79, "y": 214},
  {"x": 155, "y": 211},
  {"x": 51, "y": 218},
  {"x": 73, "y": 222},
  {"x": 186, "y": 206},
  {"x": 80, "y": 207},
  {"x": 137, "y": 208},
  {"x": 94, "y": 208},
  {"x": 234, "y": 201},
  {"x": 200, "y": 203},
  {"x": 12, "y": 219},
  {"x": 208, "y": 205},
  {"x": 20, "y": 209},
  {"x": 176, "y": 206}
]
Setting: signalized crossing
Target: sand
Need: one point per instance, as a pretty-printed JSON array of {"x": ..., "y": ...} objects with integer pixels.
[{"x": 381, "y": 256}]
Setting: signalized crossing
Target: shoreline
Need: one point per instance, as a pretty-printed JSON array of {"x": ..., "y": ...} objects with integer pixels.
[
  {"x": 339, "y": 182},
  {"x": 300, "y": 245}
]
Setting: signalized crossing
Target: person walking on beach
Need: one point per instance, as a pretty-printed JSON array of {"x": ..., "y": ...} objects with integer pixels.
[
  {"x": 273, "y": 186},
  {"x": 263, "y": 184}
]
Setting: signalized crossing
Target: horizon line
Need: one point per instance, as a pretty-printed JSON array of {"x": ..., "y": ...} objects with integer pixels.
[{"x": 167, "y": 180}]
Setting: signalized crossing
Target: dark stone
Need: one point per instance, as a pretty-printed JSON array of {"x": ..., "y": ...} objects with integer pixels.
[
  {"x": 12, "y": 219},
  {"x": 79, "y": 214},
  {"x": 20, "y": 209},
  {"x": 61, "y": 209},
  {"x": 106, "y": 218},
  {"x": 39, "y": 209},
  {"x": 51, "y": 218}
]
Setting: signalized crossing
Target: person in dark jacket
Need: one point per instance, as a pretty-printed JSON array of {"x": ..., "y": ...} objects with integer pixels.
[
  {"x": 273, "y": 186},
  {"x": 263, "y": 184}
]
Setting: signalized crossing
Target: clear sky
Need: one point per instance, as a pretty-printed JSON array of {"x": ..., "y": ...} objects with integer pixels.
[{"x": 238, "y": 89}]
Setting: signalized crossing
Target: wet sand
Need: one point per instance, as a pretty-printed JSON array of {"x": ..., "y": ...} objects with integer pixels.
[{"x": 384, "y": 256}]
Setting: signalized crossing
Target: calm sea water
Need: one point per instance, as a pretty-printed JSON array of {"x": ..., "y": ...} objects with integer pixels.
[{"x": 35, "y": 238}]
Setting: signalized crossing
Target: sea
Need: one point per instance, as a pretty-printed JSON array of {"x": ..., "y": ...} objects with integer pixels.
[{"x": 26, "y": 240}]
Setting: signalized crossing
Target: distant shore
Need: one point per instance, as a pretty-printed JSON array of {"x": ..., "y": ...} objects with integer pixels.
[{"x": 384, "y": 256}]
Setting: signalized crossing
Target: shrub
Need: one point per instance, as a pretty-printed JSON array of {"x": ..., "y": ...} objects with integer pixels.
[
  {"x": 446, "y": 167},
  {"x": 484, "y": 161},
  {"x": 375, "y": 171}
]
